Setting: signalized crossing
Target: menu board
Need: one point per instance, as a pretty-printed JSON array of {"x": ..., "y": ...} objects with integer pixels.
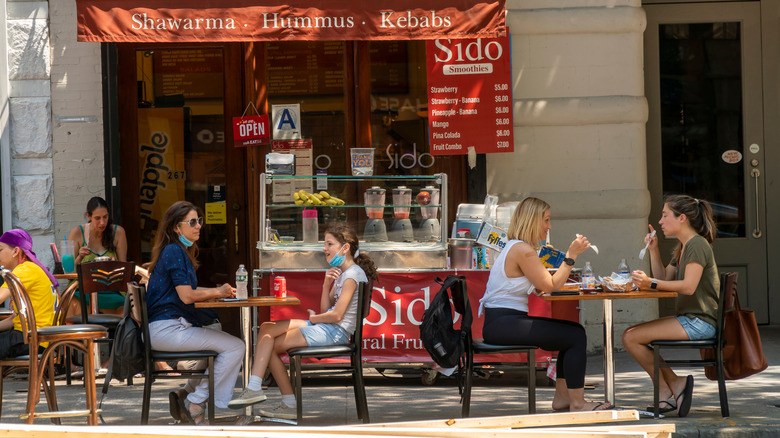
[
  {"x": 308, "y": 67},
  {"x": 389, "y": 62},
  {"x": 298, "y": 68},
  {"x": 193, "y": 73},
  {"x": 469, "y": 96}
]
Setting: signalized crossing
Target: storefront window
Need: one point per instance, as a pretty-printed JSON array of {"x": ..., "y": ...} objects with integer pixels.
[
  {"x": 701, "y": 117},
  {"x": 399, "y": 110}
]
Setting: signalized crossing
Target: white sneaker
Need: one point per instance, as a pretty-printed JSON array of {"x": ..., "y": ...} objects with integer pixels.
[
  {"x": 247, "y": 398},
  {"x": 280, "y": 410}
]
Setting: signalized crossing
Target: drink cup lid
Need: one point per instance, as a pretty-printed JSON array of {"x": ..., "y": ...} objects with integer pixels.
[{"x": 310, "y": 213}]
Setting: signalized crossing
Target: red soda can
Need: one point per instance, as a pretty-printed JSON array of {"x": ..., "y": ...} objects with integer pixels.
[{"x": 280, "y": 287}]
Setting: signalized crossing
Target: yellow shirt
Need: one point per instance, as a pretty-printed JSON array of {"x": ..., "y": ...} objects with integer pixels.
[{"x": 42, "y": 296}]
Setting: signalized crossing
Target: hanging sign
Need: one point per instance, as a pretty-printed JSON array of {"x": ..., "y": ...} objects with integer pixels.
[
  {"x": 118, "y": 21},
  {"x": 250, "y": 130},
  {"x": 469, "y": 96}
]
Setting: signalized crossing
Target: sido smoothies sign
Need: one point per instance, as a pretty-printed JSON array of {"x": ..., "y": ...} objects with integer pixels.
[{"x": 469, "y": 96}]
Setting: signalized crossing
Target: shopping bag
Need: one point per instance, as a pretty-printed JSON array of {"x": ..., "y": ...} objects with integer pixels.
[{"x": 742, "y": 352}]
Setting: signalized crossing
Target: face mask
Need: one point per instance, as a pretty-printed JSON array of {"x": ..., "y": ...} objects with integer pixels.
[
  {"x": 338, "y": 259},
  {"x": 184, "y": 241}
]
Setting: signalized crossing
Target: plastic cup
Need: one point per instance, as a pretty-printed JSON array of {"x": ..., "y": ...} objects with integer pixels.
[{"x": 67, "y": 252}]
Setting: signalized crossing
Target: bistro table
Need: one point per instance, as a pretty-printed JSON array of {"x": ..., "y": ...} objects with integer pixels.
[
  {"x": 246, "y": 329},
  {"x": 609, "y": 342}
]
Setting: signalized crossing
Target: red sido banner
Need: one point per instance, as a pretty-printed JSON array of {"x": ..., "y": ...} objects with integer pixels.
[
  {"x": 251, "y": 130},
  {"x": 469, "y": 95},
  {"x": 392, "y": 329}
]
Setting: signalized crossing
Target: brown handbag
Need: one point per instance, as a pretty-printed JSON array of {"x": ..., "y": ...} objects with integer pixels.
[{"x": 742, "y": 352}]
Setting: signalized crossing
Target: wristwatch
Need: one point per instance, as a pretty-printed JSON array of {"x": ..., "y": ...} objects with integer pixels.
[
  {"x": 653, "y": 283},
  {"x": 569, "y": 261}
]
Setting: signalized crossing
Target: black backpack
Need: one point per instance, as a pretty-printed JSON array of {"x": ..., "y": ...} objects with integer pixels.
[
  {"x": 128, "y": 356},
  {"x": 444, "y": 343}
]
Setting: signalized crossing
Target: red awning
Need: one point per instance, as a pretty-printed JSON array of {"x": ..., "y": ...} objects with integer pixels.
[{"x": 264, "y": 20}]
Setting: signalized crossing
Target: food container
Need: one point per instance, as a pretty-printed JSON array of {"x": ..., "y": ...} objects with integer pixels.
[
  {"x": 375, "y": 197},
  {"x": 402, "y": 198},
  {"x": 362, "y": 161},
  {"x": 617, "y": 283},
  {"x": 462, "y": 254}
]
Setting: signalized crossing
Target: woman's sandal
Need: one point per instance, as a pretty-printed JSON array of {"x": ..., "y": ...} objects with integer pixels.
[
  {"x": 175, "y": 403},
  {"x": 197, "y": 418},
  {"x": 669, "y": 407}
]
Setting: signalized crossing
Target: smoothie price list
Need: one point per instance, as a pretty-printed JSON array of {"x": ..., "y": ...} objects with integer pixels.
[{"x": 469, "y": 96}]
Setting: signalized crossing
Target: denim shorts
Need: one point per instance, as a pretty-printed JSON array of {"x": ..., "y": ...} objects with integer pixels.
[
  {"x": 321, "y": 335},
  {"x": 696, "y": 328}
]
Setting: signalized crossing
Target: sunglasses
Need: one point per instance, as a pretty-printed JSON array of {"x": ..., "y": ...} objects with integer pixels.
[{"x": 193, "y": 222}]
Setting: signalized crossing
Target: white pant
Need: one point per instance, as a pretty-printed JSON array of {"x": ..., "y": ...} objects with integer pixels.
[{"x": 180, "y": 335}]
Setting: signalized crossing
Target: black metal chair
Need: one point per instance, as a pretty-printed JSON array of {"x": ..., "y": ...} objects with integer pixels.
[
  {"x": 477, "y": 346},
  {"x": 41, "y": 365},
  {"x": 728, "y": 287},
  {"x": 354, "y": 350},
  {"x": 140, "y": 314}
]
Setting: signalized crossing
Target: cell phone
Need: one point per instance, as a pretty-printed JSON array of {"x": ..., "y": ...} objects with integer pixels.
[
  {"x": 229, "y": 299},
  {"x": 565, "y": 292}
]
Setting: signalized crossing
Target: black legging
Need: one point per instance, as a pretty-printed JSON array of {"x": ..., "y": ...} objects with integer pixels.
[{"x": 513, "y": 327}]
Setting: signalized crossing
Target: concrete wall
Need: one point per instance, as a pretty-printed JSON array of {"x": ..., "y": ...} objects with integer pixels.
[
  {"x": 51, "y": 121},
  {"x": 77, "y": 113},
  {"x": 29, "y": 123},
  {"x": 579, "y": 120}
]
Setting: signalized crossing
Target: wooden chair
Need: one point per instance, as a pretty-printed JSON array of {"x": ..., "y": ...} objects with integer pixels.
[
  {"x": 140, "y": 314},
  {"x": 17, "y": 364},
  {"x": 477, "y": 346},
  {"x": 79, "y": 337},
  {"x": 728, "y": 288},
  {"x": 96, "y": 277},
  {"x": 354, "y": 350}
]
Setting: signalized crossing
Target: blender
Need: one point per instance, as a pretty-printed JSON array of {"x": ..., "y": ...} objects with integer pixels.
[
  {"x": 375, "y": 231},
  {"x": 402, "y": 230},
  {"x": 430, "y": 228}
]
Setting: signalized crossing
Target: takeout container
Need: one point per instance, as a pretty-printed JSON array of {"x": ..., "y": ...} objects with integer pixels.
[{"x": 610, "y": 284}]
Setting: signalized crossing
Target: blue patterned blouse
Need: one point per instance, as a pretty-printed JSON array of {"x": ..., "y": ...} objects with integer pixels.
[{"x": 162, "y": 301}]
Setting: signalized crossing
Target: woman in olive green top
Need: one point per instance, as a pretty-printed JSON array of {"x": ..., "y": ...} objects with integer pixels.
[{"x": 693, "y": 274}]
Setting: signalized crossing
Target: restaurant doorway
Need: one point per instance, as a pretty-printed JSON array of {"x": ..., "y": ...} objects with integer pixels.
[
  {"x": 705, "y": 128},
  {"x": 174, "y": 105}
]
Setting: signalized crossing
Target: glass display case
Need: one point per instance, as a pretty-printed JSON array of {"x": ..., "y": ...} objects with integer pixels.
[{"x": 401, "y": 221}]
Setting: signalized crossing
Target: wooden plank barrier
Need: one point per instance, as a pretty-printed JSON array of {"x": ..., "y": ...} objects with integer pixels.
[{"x": 565, "y": 425}]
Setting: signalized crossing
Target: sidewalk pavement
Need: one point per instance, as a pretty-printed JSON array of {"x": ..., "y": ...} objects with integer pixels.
[{"x": 399, "y": 395}]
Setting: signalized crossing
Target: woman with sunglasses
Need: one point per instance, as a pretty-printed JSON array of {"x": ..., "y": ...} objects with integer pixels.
[{"x": 174, "y": 322}]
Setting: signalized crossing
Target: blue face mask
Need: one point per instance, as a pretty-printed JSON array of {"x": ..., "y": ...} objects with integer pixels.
[
  {"x": 184, "y": 241},
  {"x": 338, "y": 259}
]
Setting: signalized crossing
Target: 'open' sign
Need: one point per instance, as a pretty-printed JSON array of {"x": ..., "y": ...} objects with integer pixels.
[{"x": 250, "y": 130}]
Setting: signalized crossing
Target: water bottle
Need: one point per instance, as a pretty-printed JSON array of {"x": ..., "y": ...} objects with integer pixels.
[
  {"x": 588, "y": 279},
  {"x": 241, "y": 283},
  {"x": 623, "y": 269},
  {"x": 310, "y": 227}
]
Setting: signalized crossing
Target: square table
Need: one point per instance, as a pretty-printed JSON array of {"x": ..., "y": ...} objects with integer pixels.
[
  {"x": 246, "y": 329},
  {"x": 609, "y": 342}
]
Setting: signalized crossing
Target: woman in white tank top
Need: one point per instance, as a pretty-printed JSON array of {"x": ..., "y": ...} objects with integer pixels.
[{"x": 514, "y": 275}]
